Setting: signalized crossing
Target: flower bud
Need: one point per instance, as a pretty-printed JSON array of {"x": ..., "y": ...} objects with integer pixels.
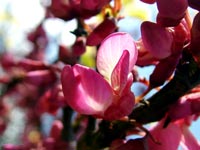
[{"x": 156, "y": 39}]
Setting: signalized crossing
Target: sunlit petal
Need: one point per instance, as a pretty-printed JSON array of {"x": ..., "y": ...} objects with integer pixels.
[
  {"x": 111, "y": 50},
  {"x": 85, "y": 90},
  {"x": 168, "y": 137},
  {"x": 120, "y": 73}
]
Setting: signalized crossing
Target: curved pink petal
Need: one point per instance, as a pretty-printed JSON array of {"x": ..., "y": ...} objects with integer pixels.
[
  {"x": 186, "y": 106},
  {"x": 156, "y": 39},
  {"x": 168, "y": 137},
  {"x": 189, "y": 142},
  {"x": 85, "y": 90},
  {"x": 111, "y": 50},
  {"x": 121, "y": 107},
  {"x": 120, "y": 73}
]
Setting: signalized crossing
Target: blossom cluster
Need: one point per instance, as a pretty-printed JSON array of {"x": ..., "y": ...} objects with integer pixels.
[{"x": 97, "y": 103}]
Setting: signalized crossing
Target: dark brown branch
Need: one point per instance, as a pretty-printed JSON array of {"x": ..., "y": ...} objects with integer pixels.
[{"x": 186, "y": 77}]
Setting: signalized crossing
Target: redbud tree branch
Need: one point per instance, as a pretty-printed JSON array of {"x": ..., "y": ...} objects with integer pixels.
[{"x": 186, "y": 77}]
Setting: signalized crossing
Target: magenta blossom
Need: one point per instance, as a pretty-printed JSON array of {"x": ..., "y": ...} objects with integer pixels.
[
  {"x": 106, "y": 95},
  {"x": 176, "y": 134}
]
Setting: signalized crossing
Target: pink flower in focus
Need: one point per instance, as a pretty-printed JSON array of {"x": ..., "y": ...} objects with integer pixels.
[{"x": 106, "y": 96}]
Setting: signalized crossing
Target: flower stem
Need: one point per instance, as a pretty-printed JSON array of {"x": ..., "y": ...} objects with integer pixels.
[{"x": 67, "y": 133}]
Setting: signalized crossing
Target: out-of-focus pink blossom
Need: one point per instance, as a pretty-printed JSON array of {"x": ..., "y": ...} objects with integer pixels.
[
  {"x": 56, "y": 130},
  {"x": 106, "y": 96},
  {"x": 101, "y": 32},
  {"x": 93, "y": 4},
  {"x": 30, "y": 65},
  {"x": 38, "y": 37},
  {"x": 70, "y": 9},
  {"x": 7, "y": 61},
  {"x": 51, "y": 101},
  {"x": 40, "y": 77},
  {"x": 66, "y": 56},
  {"x": 14, "y": 147},
  {"x": 3, "y": 125},
  {"x": 171, "y": 13},
  {"x": 78, "y": 48}
]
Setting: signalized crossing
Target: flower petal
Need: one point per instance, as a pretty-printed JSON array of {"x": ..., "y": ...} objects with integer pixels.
[
  {"x": 121, "y": 107},
  {"x": 189, "y": 142},
  {"x": 111, "y": 50},
  {"x": 168, "y": 137},
  {"x": 101, "y": 32},
  {"x": 85, "y": 90},
  {"x": 156, "y": 39},
  {"x": 120, "y": 73}
]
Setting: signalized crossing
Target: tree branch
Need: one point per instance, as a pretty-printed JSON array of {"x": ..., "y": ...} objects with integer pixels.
[{"x": 187, "y": 76}]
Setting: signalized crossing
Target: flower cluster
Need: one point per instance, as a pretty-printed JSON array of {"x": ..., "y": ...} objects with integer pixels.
[
  {"x": 107, "y": 95},
  {"x": 89, "y": 87}
]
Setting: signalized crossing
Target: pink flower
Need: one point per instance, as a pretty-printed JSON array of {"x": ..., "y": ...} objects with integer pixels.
[
  {"x": 168, "y": 138},
  {"x": 70, "y": 9},
  {"x": 107, "y": 96},
  {"x": 156, "y": 39},
  {"x": 187, "y": 105},
  {"x": 40, "y": 77},
  {"x": 188, "y": 141},
  {"x": 100, "y": 32},
  {"x": 176, "y": 134}
]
